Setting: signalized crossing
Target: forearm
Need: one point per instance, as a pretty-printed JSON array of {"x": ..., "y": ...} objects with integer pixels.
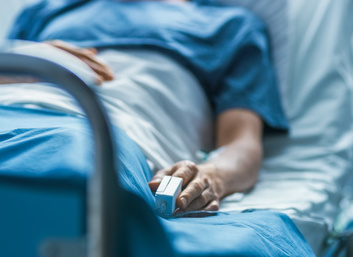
[{"x": 236, "y": 168}]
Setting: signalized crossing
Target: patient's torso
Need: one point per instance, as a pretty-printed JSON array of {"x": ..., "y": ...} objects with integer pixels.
[
  {"x": 225, "y": 47},
  {"x": 155, "y": 100},
  {"x": 160, "y": 104}
]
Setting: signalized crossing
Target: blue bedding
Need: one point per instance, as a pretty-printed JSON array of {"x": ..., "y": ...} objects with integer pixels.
[{"x": 45, "y": 159}]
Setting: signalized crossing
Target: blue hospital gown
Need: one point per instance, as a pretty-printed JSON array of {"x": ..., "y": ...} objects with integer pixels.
[{"x": 227, "y": 48}]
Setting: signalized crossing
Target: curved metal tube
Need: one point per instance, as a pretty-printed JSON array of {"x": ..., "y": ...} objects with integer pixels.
[{"x": 103, "y": 184}]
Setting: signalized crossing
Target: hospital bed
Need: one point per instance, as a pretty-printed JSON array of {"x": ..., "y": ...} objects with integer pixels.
[{"x": 311, "y": 168}]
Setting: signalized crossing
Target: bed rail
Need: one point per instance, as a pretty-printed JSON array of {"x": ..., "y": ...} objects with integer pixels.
[{"x": 103, "y": 187}]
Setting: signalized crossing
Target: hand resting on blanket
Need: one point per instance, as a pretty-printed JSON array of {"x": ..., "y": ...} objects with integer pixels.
[
  {"x": 234, "y": 170},
  {"x": 101, "y": 71},
  {"x": 88, "y": 56}
]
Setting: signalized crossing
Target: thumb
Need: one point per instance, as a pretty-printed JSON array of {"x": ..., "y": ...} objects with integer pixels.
[
  {"x": 154, "y": 184},
  {"x": 157, "y": 178}
]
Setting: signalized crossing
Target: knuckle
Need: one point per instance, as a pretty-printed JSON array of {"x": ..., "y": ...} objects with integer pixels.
[
  {"x": 203, "y": 199},
  {"x": 193, "y": 167},
  {"x": 189, "y": 173},
  {"x": 206, "y": 182},
  {"x": 198, "y": 186},
  {"x": 184, "y": 172},
  {"x": 186, "y": 162},
  {"x": 181, "y": 173},
  {"x": 182, "y": 163},
  {"x": 212, "y": 189},
  {"x": 175, "y": 167},
  {"x": 216, "y": 196},
  {"x": 161, "y": 173},
  {"x": 189, "y": 164},
  {"x": 55, "y": 42}
]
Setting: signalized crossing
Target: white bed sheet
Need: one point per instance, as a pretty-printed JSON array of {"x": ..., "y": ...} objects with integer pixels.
[{"x": 303, "y": 175}]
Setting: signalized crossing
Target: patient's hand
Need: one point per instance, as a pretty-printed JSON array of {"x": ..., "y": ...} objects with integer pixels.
[
  {"x": 16, "y": 79},
  {"x": 201, "y": 187},
  {"x": 234, "y": 169},
  {"x": 89, "y": 56}
]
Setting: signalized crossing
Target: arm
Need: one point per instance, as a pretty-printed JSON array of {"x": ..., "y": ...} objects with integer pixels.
[
  {"x": 16, "y": 79},
  {"x": 234, "y": 170},
  {"x": 87, "y": 55}
]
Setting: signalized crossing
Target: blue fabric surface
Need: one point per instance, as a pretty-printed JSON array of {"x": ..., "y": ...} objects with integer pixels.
[
  {"x": 49, "y": 147},
  {"x": 227, "y": 48},
  {"x": 257, "y": 233},
  {"x": 51, "y": 150}
]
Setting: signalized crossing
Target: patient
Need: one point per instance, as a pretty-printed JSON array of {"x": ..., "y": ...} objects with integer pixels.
[{"x": 226, "y": 51}]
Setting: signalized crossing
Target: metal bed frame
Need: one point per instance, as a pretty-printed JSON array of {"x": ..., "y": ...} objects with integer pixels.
[{"x": 103, "y": 189}]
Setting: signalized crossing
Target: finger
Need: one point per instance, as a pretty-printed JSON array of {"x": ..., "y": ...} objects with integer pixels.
[
  {"x": 92, "y": 50},
  {"x": 103, "y": 72},
  {"x": 88, "y": 56},
  {"x": 96, "y": 67},
  {"x": 75, "y": 50},
  {"x": 173, "y": 169},
  {"x": 99, "y": 80},
  {"x": 154, "y": 185},
  {"x": 191, "y": 192},
  {"x": 100, "y": 68},
  {"x": 201, "y": 202},
  {"x": 161, "y": 173},
  {"x": 17, "y": 79},
  {"x": 85, "y": 54},
  {"x": 186, "y": 170},
  {"x": 212, "y": 206},
  {"x": 62, "y": 45},
  {"x": 157, "y": 178}
]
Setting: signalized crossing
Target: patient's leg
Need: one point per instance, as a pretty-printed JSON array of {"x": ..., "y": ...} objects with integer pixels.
[{"x": 46, "y": 145}]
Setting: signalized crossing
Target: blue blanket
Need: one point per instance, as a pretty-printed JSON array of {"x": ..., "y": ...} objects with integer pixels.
[{"x": 50, "y": 150}]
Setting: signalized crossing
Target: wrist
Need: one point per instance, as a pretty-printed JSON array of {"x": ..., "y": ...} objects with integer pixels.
[{"x": 211, "y": 172}]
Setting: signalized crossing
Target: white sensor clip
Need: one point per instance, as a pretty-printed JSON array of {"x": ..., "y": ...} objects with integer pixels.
[{"x": 166, "y": 194}]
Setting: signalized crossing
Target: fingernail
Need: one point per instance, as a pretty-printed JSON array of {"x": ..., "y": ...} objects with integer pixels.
[
  {"x": 183, "y": 202},
  {"x": 99, "y": 81}
]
